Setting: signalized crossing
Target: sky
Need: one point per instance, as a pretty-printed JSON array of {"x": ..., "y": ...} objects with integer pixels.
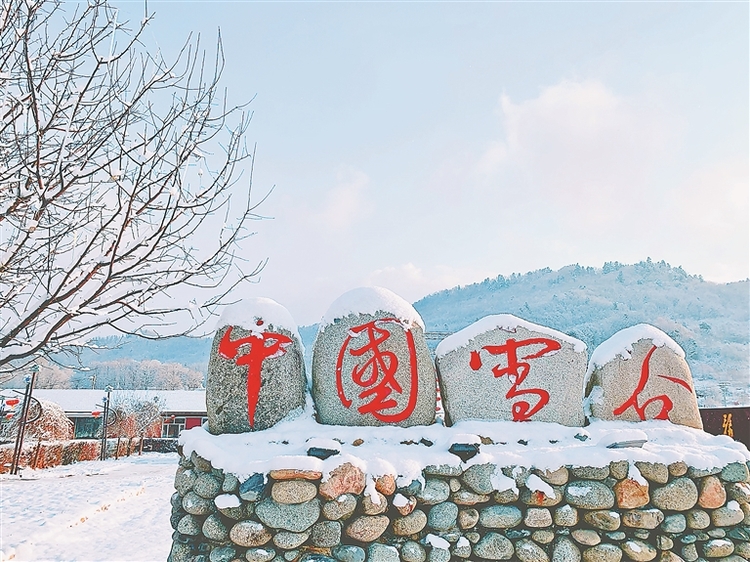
[{"x": 423, "y": 145}]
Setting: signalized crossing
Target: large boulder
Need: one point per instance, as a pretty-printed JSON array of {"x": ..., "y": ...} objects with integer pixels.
[
  {"x": 256, "y": 371},
  {"x": 505, "y": 368},
  {"x": 638, "y": 374},
  {"x": 371, "y": 365}
]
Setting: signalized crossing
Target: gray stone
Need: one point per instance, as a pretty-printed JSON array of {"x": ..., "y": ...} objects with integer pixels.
[
  {"x": 184, "y": 480},
  {"x": 701, "y": 536},
  {"x": 735, "y": 472},
  {"x": 743, "y": 549},
  {"x": 326, "y": 534},
  {"x": 654, "y": 471},
  {"x": 586, "y": 537},
  {"x": 564, "y": 550},
  {"x": 287, "y": 540},
  {"x": 443, "y": 516},
  {"x": 643, "y": 518},
  {"x": 367, "y": 528},
  {"x": 454, "y": 484},
  {"x": 249, "y": 533},
  {"x": 538, "y": 517},
  {"x": 638, "y": 550},
  {"x": 348, "y": 553},
  {"x": 506, "y": 496},
  {"x": 442, "y": 470},
  {"x": 603, "y": 519},
  {"x": 175, "y": 501},
  {"x": 718, "y": 548},
  {"x": 538, "y": 498},
  {"x": 467, "y": 518},
  {"x": 435, "y": 491},
  {"x": 664, "y": 542},
  {"x": 616, "y": 535},
  {"x": 478, "y": 477},
  {"x": 465, "y": 497},
  {"x": 267, "y": 359},
  {"x": 590, "y": 472},
  {"x": 474, "y": 385},
  {"x": 730, "y": 514},
  {"x": 566, "y": 516},
  {"x": 411, "y": 524},
  {"x": 252, "y": 488},
  {"x": 237, "y": 512},
  {"x": 377, "y": 552},
  {"x": 740, "y": 534},
  {"x": 370, "y": 507},
  {"x": 295, "y": 518},
  {"x": 702, "y": 472},
  {"x": 557, "y": 477},
  {"x": 462, "y": 549},
  {"x": 641, "y": 534},
  {"x": 413, "y": 552},
  {"x": 500, "y": 517},
  {"x": 680, "y": 494},
  {"x": 196, "y": 505},
  {"x": 180, "y": 553},
  {"x": 618, "y": 381},
  {"x": 189, "y": 525},
  {"x": 438, "y": 555},
  {"x": 199, "y": 463},
  {"x": 528, "y": 551},
  {"x": 340, "y": 508},
  {"x": 260, "y": 554},
  {"x": 589, "y": 495},
  {"x": 214, "y": 529},
  {"x": 473, "y": 537},
  {"x": 405, "y": 397},
  {"x": 619, "y": 469},
  {"x": 494, "y": 546},
  {"x": 223, "y": 554},
  {"x": 677, "y": 522},
  {"x": 207, "y": 486},
  {"x": 678, "y": 468},
  {"x": 739, "y": 492},
  {"x": 603, "y": 552},
  {"x": 689, "y": 552},
  {"x": 230, "y": 485},
  {"x": 717, "y": 533},
  {"x": 293, "y": 491},
  {"x": 292, "y": 555},
  {"x": 543, "y": 536},
  {"x": 695, "y": 519}
]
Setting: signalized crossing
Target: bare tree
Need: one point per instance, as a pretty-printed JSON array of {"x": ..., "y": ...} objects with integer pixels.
[{"x": 116, "y": 173}]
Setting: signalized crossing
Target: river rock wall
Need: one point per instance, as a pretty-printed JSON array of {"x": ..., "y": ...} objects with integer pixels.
[{"x": 636, "y": 511}]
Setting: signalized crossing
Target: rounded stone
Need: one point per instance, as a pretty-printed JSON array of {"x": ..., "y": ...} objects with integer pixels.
[
  {"x": 180, "y": 552},
  {"x": 340, "y": 508},
  {"x": 207, "y": 485},
  {"x": 739, "y": 491},
  {"x": 286, "y": 540},
  {"x": 214, "y": 529},
  {"x": 564, "y": 550},
  {"x": 367, "y": 528},
  {"x": 478, "y": 477},
  {"x": 589, "y": 495},
  {"x": 196, "y": 505},
  {"x": 344, "y": 479},
  {"x": 590, "y": 472},
  {"x": 288, "y": 517},
  {"x": 712, "y": 493},
  {"x": 370, "y": 507},
  {"x": 505, "y": 496},
  {"x": 695, "y": 519},
  {"x": 604, "y": 552},
  {"x": 586, "y": 537},
  {"x": 543, "y": 536},
  {"x": 742, "y": 549},
  {"x": 605, "y": 520},
  {"x": 411, "y": 524},
  {"x": 223, "y": 554},
  {"x": 260, "y": 554},
  {"x": 465, "y": 497},
  {"x": 619, "y": 469},
  {"x": 664, "y": 542},
  {"x": 462, "y": 548},
  {"x": 434, "y": 492},
  {"x": 293, "y": 491},
  {"x": 184, "y": 480},
  {"x": 404, "y": 505},
  {"x": 200, "y": 464},
  {"x": 643, "y": 518},
  {"x": 175, "y": 501},
  {"x": 295, "y": 474},
  {"x": 689, "y": 552},
  {"x": 438, "y": 555},
  {"x": 678, "y": 468},
  {"x": 557, "y": 477},
  {"x": 386, "y": 484},
  {"x": 467, "y": 518},
  {"x": 377, "y": 552},
  {"x": 680, "y": 494},
  {"x": 730, "y": 514},
  {"x": 538, "y": 517},
  {"x": 252, "y": 489},
  {"x": 249, "y": 533},
  {"x": 349, "y": 553},
  {"x": 189, "y": 525},
  {"x": 528, "y": 551},
  {"x": 413, "y": 552},
  {"x": 443, "y": 516},
  {"x": 231, "y": 484},
  {"x": 326, "y": 534},
  {"x": 538, "y": 498},
  {"x": 735, "y": 472},
  {"x": 654, "y": 471},
  {"x": 494, "y": 546},
  {"x": 631, "y": 494},
  {"x": 500, "y": 517},
  {"x": 566, "y": 516},
  {"x": 718, "y": 548},
  {"x": 638, "y": 550}
]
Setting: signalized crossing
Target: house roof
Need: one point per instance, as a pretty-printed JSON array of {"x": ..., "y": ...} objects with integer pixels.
[{"x": 84, "y": 401}]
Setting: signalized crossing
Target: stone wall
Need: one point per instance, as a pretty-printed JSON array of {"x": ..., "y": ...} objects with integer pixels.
[{"x": 640, "y": 511}]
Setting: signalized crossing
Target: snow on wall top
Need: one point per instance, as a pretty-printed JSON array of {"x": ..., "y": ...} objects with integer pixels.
[
  {"x": 247, "y": 313},
  {"x": 506, "y": 322},
  {"x": 369, "y": 300},
  {"x": 622, "y": 344}
]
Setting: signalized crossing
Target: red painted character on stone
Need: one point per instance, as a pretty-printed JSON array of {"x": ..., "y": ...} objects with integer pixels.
[
  {"x": 517, "y": 370},
  {"x": 375, "y": 371},
  {"x": 666, "y": 401},
  {"x": 259, "y": 347}
]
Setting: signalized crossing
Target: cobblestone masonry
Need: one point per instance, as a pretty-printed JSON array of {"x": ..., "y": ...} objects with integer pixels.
[{"x": 592, "y": 514}]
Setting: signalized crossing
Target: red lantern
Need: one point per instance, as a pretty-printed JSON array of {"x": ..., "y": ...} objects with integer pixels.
[
  {"x": 96, "y": 413},
  {"x": 9, "y": 415},
  {"x": 12, "y": 401}
]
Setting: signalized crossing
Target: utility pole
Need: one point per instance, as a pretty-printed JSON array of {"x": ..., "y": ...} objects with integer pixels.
[
  {"x": 103, "y": 452},
  {"x": 29, "y": 379}
]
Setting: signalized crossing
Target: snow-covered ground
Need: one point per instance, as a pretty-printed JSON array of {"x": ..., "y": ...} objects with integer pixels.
[{"x": 106, "y": 511}]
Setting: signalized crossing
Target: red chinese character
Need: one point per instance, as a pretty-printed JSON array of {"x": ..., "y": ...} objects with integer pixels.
[
  {"x": 666, "y": 401},
  {"x": 517, "y": 371},
  {"x": 377, "y": 374},
  {"x": 261, "y": 347}
]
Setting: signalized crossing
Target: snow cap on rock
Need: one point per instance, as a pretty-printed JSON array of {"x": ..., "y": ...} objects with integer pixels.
[
  {"x": 248, "y": 312},
  {"x": 370, "y": 300}
]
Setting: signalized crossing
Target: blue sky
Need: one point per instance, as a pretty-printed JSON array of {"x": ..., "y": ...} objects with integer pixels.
[{"x": 423, "y": 145}]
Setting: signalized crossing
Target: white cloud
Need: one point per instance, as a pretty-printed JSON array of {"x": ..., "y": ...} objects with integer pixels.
[{"x": 345, "y": 203}]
